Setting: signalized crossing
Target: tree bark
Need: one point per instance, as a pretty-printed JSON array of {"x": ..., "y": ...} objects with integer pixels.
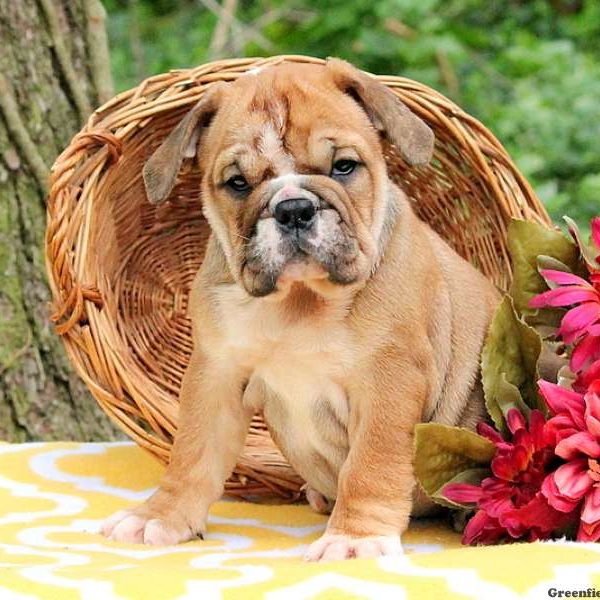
[{"x": 50, "y": 77}]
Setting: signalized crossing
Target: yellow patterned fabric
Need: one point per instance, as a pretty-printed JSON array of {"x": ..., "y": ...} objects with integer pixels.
[{"x": 54, "y": 496}]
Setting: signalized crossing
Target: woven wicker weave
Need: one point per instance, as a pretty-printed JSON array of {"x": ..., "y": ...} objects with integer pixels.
[{"x": 120, "y": 269}]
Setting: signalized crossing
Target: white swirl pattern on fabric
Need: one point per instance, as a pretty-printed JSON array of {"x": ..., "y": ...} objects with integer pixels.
[{"x": 53, "y": 498}]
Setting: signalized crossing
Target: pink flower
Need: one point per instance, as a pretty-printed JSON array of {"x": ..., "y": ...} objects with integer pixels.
[
  {"x": 510, "y": 504},
  {"x": 581, "y": 323},
  {"x": 584, "y": 316},
  {"x": 546, "y": 475},
  {"x": 587, "y": 377},
  {"x": 575, "y": 432}
]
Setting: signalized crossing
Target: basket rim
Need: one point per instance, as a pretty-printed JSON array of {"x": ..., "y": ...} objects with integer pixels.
[{"x": 432, "y": 101}]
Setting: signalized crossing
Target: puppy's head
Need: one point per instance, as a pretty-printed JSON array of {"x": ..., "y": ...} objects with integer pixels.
[{"x": 294, "y": 184}]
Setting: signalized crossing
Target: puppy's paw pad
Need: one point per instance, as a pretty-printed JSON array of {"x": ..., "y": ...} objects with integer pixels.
[{"x": 342, "y": 547}]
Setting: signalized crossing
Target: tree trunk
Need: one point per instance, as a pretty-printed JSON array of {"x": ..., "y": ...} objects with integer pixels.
[{"x": 53, "y": 69}]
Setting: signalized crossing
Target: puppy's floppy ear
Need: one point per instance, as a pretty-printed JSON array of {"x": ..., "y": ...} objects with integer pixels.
[
  {"x": 388, "y": 114},
  {"x": 160, "y": 171}
]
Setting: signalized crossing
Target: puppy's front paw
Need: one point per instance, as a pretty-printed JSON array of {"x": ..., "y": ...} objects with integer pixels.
[
  {"x": 340, "y": 547},
  {"x": 141, "y": 526}
]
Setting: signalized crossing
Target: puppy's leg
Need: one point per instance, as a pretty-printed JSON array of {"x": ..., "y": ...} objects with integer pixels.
[
  {"x": 212, "y": 427},
  {"x": 376, "y": 482}
]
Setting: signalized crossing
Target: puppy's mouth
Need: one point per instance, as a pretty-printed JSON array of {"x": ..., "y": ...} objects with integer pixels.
[{"x": 301, "y": 241}]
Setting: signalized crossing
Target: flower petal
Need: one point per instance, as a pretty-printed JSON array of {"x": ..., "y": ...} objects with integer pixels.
[
  {"x": 489, "y": 432},
  {"x": 561, "y": 400},
  {"x": 592, "y": 413},
  {"x": 585, "y": 352},
  {"x": 588, "y": 533},
  {"x": 562, "y": 277},
  {"x": 572, "y": 479},
  {"x": 482, "y": 529},
  {"x": 589, "y": 530},
  {"x": 508, "y": 465},
  {"x": 538, "y": 429},
  {"x": 561, "y": 426},
  {"x": 582, "y": 442},
  {"x": 497, "y": 505},
  {"x": 564, "y": 296},
  {"x": 554, "y": 497},
  {"x": 538, "y": 517},
  {"x": 578, "y": 319},
  {"x": 587, "y": 379},
  {"x": 462, "y": 493},
  {"x": 593, "y": 426},
  {"x": 515, "y": 420},
  {"x": 591, "y": 507},
  {"x": 523, "y": 438}
]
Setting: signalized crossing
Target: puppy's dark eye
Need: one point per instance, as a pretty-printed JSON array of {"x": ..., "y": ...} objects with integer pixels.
[
  {"x": 238, "y": 184},
  {"x": 343, "y": 167}
]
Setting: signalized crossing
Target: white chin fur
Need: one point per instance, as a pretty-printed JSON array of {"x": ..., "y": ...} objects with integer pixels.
[{"x": 301, "y": 271}]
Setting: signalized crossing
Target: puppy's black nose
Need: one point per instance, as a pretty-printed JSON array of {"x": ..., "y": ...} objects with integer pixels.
[{"x": 296, "y": 213}]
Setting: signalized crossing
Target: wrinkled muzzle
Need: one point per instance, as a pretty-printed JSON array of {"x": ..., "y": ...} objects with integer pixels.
[{"x": 300, "y": 235}]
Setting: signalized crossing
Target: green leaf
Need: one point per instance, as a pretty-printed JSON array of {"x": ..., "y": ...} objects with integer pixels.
[
  {"x": 588, "y": 252},
  {"x": 566, "y": 378},
  {"x": 508, "y": 396},
  {"x": 527, "y": 241},
  {"x": 509, "y": 365},
  {"x": 442, "y": 453},
  {"x": 473, "y": 476},
  {"x": 552, "y": 361},
  {"x": 545, "y": 321}
]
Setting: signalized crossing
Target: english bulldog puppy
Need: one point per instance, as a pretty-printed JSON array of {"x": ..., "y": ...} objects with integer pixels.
[{"x": 323, "y": 301}]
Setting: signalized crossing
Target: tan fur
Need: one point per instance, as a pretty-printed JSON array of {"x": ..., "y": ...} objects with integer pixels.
[{"x": 344, "y": 358}]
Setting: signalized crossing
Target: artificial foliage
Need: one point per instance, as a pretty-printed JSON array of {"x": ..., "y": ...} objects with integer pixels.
[{"x": 532, "y": 470}]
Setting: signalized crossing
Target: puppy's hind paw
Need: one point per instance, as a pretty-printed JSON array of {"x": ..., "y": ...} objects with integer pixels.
[
  {"x": 342, "y": 547},
  {"x": 319, "y": 503}
]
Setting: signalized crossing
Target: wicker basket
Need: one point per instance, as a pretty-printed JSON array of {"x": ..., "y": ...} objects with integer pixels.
[{"x": 120, "y": 269}]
